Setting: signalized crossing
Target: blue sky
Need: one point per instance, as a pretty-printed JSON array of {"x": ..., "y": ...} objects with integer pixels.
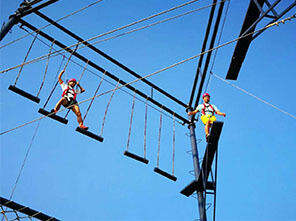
[{"x": 73, "y": 177}]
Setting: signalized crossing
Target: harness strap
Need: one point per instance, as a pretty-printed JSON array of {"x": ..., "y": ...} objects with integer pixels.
[
  {"x": 203, "y": 110},
  {"x": 66, "y": 91}
]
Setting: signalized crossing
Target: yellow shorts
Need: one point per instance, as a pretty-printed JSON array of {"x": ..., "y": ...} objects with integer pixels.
[{"x": 206, "y": 118}]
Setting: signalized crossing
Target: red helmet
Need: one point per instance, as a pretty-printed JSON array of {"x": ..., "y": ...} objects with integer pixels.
[
  {"x": 205, "y": 94},
  {"x": 72, "y": 79}
]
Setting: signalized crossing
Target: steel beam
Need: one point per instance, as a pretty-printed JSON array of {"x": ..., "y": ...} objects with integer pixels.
[
  {"x": 201, "y": 200},
  {"x": 204, "y": 73},
  {"x": 202, "y": 50},
  {"x": 92, "y": 64}
]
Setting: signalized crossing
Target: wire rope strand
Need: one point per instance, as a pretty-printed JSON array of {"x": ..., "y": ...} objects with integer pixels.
[
  {"x": 60, "y": 19},
  {"x": 159, "y": 136},
  {"x": 86, "y": 64},
  {"x": 46, "y": 67},
  {"x": 174, "y": 144},
  {"x": 25, "y": 159},
  {"x": 145, "y": 126},
  {"x": 72, "y": 52},
  {"x": 25, "y": 59},
  {"x": 131, "y": 122},
  {"x": 92, "y": 100},
  {"x": 254, "y": 96},
  {"x": 106, "y": 111}
]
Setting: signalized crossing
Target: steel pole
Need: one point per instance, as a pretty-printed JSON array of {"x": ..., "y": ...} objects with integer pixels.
[
  {"x": 200, "y": 196},
  {"x": 6, "y": 28}
]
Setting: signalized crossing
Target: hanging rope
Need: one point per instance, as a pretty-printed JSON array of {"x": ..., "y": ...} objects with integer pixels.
[
  {"x": 131, "y": 122},
  {"x": 106, "y": 111},
  {"x": 145, "y": 126},
  {"x": 92, "y": 100},
  {"x": 55, "y": 84},
  {"x": 174, "y": 142},
  {"x": 43, "y": 80},
  {"x": 159, "y": 136},
  {"x": 86, "y": 64},
  {"x": 25, "y": 59},
  {"x": 73, "y": 51}
]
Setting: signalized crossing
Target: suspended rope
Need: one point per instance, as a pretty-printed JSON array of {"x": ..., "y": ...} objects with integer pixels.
[
  {"x": 106, "y": 111},
  {"x": 25, "y": 159},
  {"x": 254, "y": 96},
  {"x": 55, "y": 84},
  {"x": 174, "y": 143},
  {"x": 25, "y": 59},
  {"x": 92, "y": 100},
  {"x": 157, "y": 169},
  {"x": 72, "y": 52},
  {"x": 131, "y": 122},
  {"x": 86, "y": 64},
  {"x": 145, "y": 126},
  {"x": 159, "y": 137},
  {"x": 60, "y": 19},
  {"x": 127, "y": 153},
  {"x": 44, "y": 76}
]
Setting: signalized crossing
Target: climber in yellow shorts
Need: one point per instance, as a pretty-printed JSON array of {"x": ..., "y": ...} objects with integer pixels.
[{"x": 207, "y": 113}]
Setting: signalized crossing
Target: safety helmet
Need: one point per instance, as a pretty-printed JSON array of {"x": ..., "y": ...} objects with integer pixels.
[
  {"x": 205, "y": 94},
  {"x": 72, "y": 79}
]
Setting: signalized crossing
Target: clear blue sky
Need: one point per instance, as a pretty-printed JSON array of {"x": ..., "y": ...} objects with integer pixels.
[{"x": 72, "y": 177}]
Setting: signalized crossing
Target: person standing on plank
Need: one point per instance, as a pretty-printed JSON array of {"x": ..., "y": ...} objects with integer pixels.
[
  {"x": 68, "y": 99},
  {"x": 207, "y": 113}
]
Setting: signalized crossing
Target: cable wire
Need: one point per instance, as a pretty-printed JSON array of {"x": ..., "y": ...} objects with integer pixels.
[
  {"x": 254, "y": 96},
  {"x": 25, "y": 159}
]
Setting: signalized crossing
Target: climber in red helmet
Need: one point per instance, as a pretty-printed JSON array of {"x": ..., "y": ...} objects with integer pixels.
[
  {"x": 207, "y": 113},
  {"x": 68, "y": 99}
]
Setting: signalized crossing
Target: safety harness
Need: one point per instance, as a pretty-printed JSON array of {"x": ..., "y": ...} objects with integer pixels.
[
  {"x": 67, "y": 91},
  {"x": 203, "y": 111}
]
